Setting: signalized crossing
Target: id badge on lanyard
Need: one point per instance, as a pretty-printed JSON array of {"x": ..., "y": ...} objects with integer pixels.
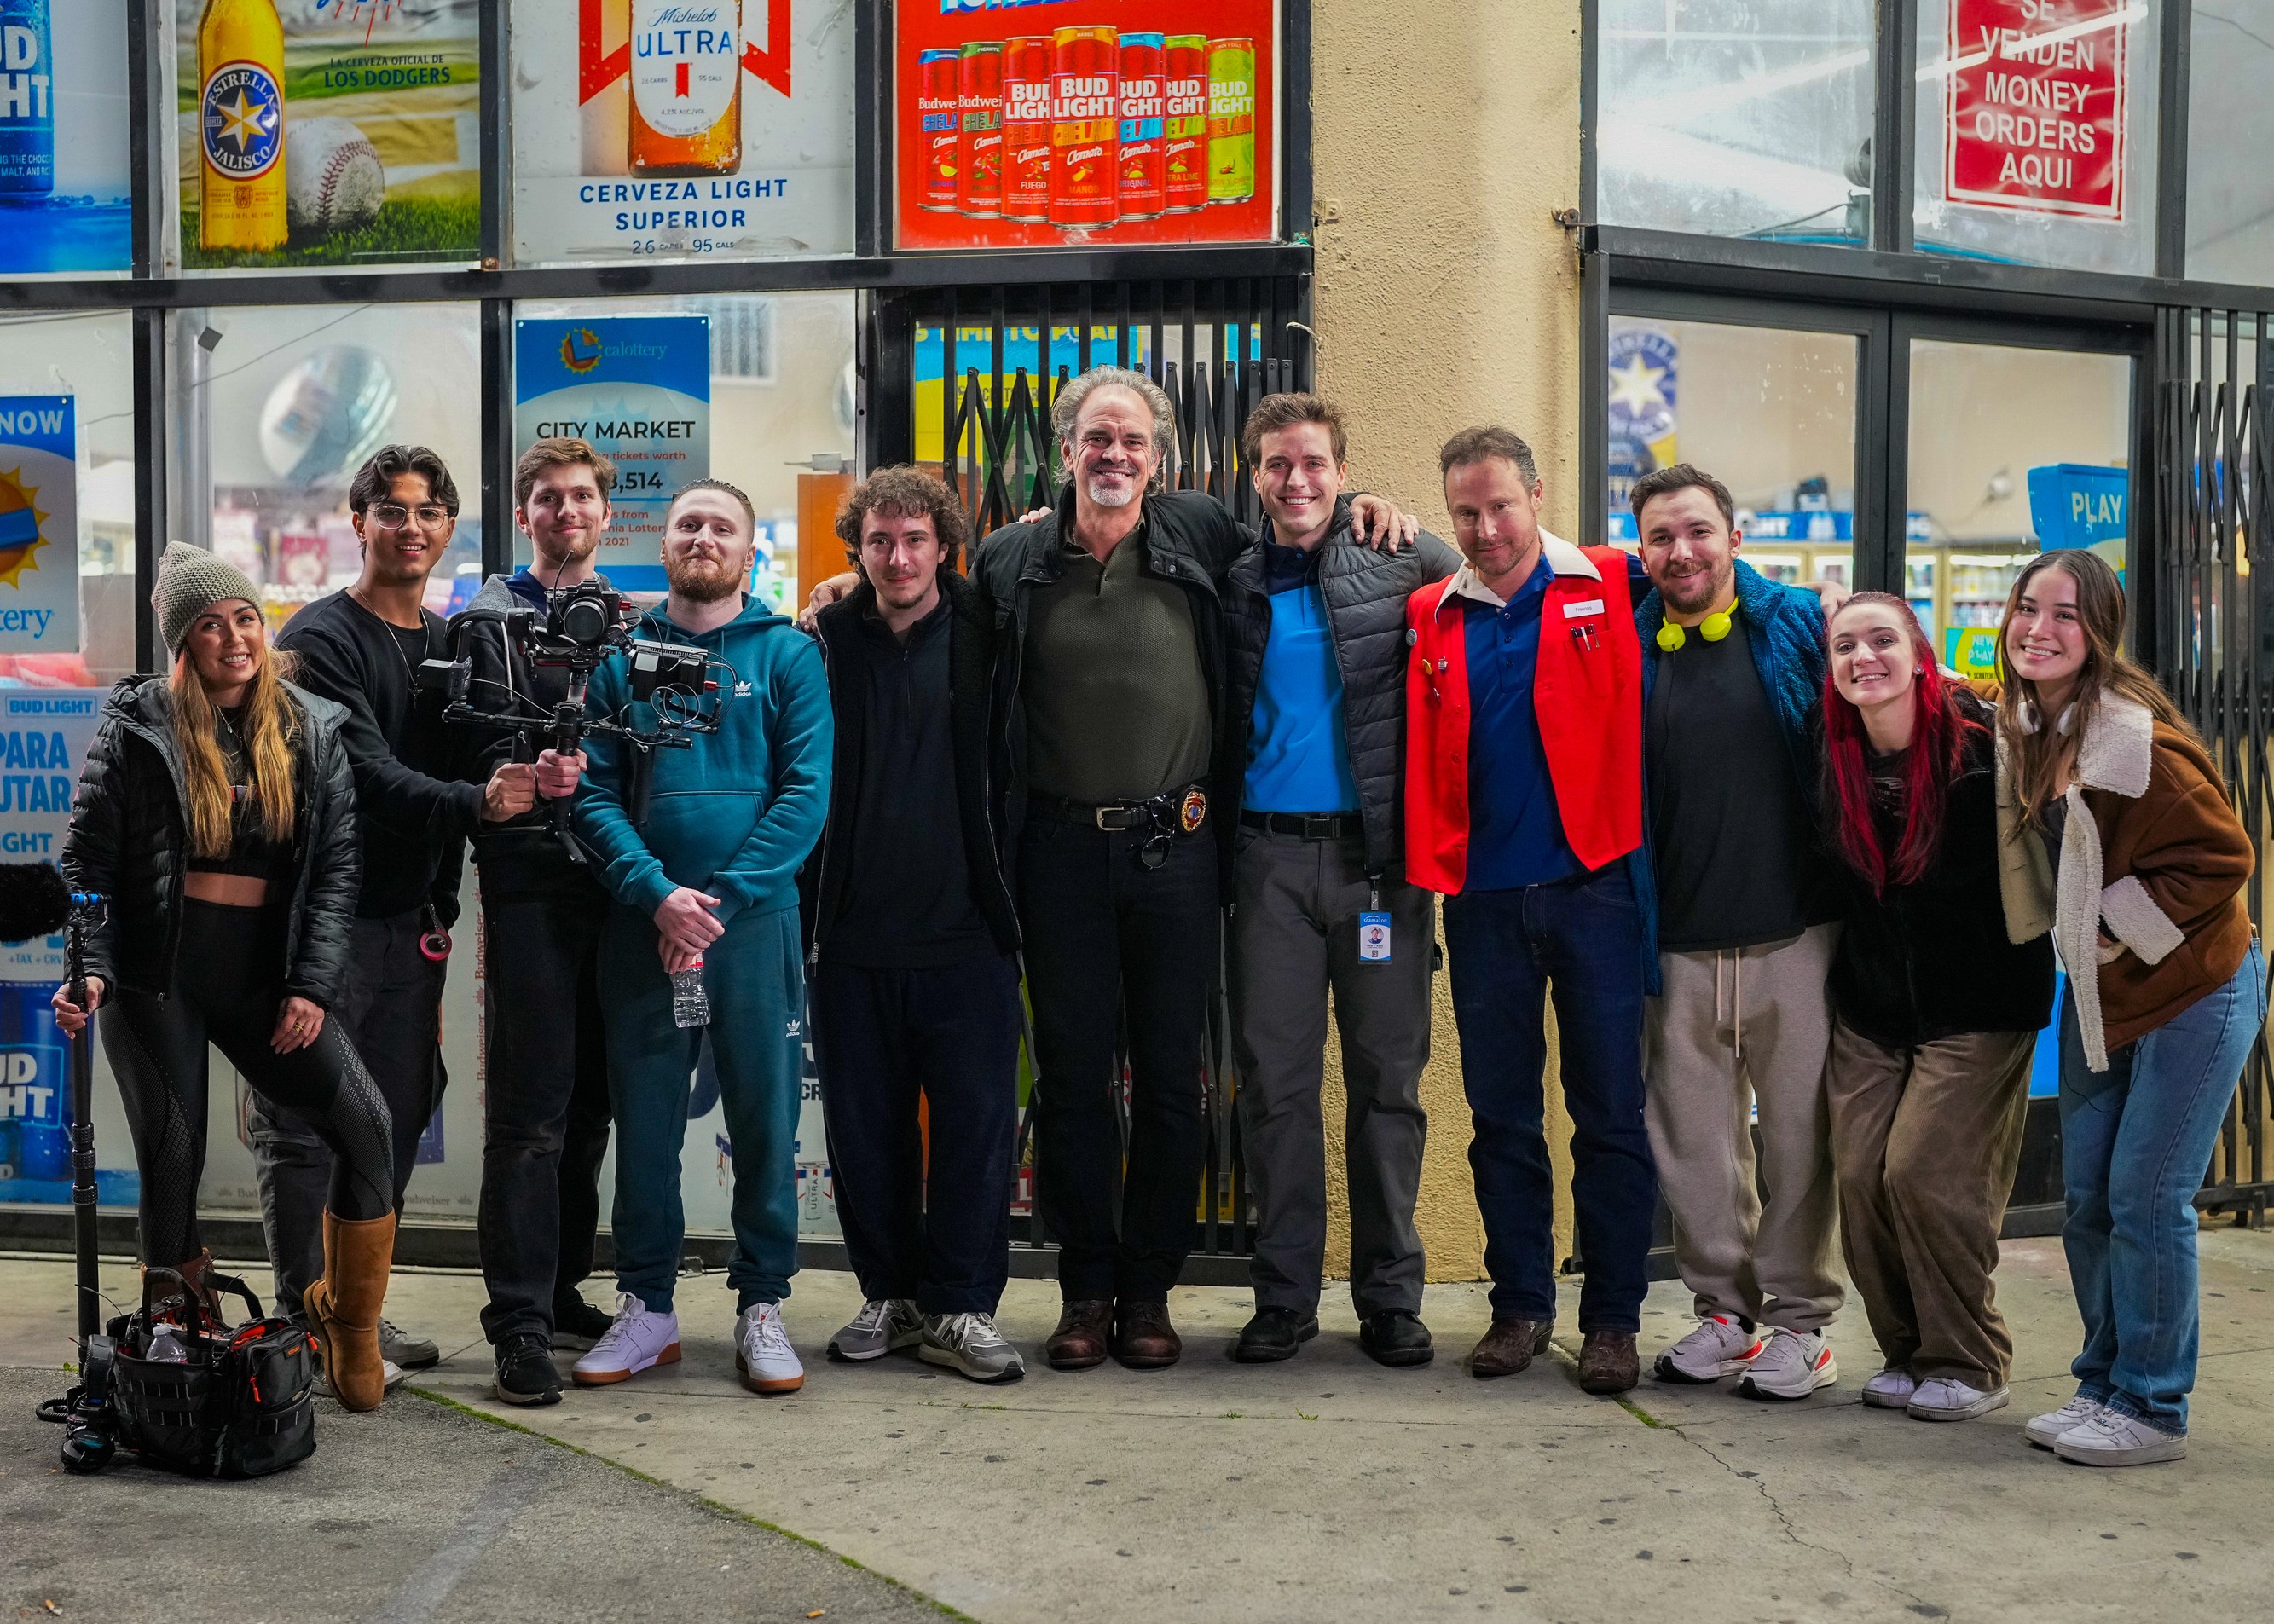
[{"x": 1373, "y": 932}]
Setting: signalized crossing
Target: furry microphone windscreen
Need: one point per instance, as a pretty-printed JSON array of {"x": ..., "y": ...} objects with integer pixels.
[{"x": 33, "y": 901}]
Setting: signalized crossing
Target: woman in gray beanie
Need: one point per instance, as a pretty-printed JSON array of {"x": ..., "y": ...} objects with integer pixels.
[{"x": 216, "y": 812}]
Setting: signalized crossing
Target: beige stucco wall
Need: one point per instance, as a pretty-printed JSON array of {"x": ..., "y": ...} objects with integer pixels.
[{"x": 1447, "y": 294}]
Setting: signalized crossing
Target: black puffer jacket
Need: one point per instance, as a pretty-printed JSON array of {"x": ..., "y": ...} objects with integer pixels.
[
  {"x": 129, "y": 841},
  {"x": 1366, "y": 593}
]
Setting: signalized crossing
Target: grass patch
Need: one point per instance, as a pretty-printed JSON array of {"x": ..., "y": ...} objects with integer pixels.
[
  {"x": 404, "y": 230},
  {"x": 1638, "y": 1412}
]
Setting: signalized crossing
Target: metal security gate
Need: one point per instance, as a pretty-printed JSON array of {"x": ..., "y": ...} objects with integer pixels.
[{"x": 2206, "y": 625}]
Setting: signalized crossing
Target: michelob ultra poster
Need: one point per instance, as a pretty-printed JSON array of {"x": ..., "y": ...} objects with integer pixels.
[
  {"x": 323, "y": 132},
  {"x": 682, "y": 128},
  {"x": 1039, "y": 124},
  {"x": 64, "y": 206}
]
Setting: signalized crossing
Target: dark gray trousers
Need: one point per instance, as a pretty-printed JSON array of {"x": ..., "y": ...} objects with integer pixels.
[{"x": 1294, "y": 936}]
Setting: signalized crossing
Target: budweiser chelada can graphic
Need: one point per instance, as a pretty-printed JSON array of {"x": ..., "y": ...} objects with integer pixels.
[
  {"x": 1086, "y": 127},
  {"x": 1026, "y": 128},
  {"x": 1184, "y": 101},
  {"x": 1142, "y": 165},
  {"x": 939, "y": 120},
  {"x": 979, "y": 188}
]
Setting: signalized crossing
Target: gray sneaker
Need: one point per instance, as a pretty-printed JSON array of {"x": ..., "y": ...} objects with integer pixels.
[
  {"x": 970, "y": 1344},
  {"x": 410, "y": 1352},
  {"x": 884, "y": 1324},
  {"x": 391, "y": 1377}
]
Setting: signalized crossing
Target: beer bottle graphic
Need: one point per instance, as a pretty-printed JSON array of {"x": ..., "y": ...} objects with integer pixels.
[
  {"x": 28, "y": 99},
  {"x": 241, "y": 125},
  {"x": 687, "y": 86}
]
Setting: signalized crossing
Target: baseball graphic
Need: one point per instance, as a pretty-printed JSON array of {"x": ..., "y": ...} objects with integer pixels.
[{"x": 333, "y": 180}]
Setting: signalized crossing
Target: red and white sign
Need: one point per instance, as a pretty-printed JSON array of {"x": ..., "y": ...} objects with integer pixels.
[{"x": 2036, "y": 105}]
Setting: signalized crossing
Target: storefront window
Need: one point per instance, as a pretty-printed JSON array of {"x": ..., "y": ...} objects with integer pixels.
[
  {"x": 2037, "y": 132},
  {"x": 1736, "y": 117},
  {"x": 274, "y": 409},
  {"x": 2012, "y": 452},
  {"x": 2229, "y": 183},
  {"x": 1769, "y": 412},
  {"x": 66, "y": 195}
]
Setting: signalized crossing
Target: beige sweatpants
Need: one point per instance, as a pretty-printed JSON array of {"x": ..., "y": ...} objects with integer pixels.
[{"x": 1730, "y": 1029}]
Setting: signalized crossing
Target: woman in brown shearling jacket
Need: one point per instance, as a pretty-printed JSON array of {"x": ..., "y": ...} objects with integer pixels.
[{"x": 2116, "y": 834}]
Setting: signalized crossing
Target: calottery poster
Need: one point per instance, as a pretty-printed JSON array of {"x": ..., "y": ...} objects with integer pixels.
[
  {"x": 1082, "y": 123},
  {"x": 682, "y": 128},
  {"x": 319, "y": 133},
  {"x": 63, "y": 176},
  {"x": 38, "y": 524}
]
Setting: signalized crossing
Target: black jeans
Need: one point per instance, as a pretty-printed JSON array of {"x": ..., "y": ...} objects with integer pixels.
[
  {"x": 935, "y": 1228},
  {"x": 1105, "y": 936},
  {"x": 545, "y": 1100},
  {"x": 392, "y": 1012},
  {"x": 228, "y": 987}
]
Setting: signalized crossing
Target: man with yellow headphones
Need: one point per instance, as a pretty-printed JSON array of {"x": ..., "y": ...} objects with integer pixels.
[{"x": 1733, "y": 664}]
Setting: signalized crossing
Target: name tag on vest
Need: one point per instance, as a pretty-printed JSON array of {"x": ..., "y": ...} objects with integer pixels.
[{"x": 1593, "y": 605}]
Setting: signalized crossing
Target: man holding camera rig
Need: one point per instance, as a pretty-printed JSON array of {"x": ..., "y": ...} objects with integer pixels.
[
  {"x": 704, "y": 878},
  {"x": 545, "y": 1105},
  {"x": 362, "y": 647}
]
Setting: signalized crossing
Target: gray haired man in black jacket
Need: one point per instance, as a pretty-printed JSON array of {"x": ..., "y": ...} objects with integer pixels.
[{"x": 1315, "y": 629}]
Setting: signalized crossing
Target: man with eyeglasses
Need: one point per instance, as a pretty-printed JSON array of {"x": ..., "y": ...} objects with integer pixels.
[{"x": 362, "y": 647}]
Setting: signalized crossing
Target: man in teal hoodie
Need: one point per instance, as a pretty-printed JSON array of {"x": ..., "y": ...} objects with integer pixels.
[{"x": 708, "y": 879}]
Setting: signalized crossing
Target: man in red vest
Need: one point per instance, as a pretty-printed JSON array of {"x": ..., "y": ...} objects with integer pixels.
[{"x": 1524, "y": 808}]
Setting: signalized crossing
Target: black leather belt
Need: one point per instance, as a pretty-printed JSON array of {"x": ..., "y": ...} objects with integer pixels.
[
  {"x": 1306, "y": 825},
  {"x": 1180, "y": 811}
]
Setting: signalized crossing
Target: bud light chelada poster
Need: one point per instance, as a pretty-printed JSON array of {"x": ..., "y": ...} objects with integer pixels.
[
  {"x": 64, "y": 208},
  {"x": 682, "y": 130},
  {"x": 1039, "y": 124},
  {"x": 325, "y": 133}
]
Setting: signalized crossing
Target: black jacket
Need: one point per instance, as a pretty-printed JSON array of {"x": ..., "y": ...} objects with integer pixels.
[
  {"x": 1190, "y": 538},
  {"x": 979, "y": 782},
  {"x": 1365, "y": 592},
  {"x": 129, "y": 841},
  {"x": 1932, "y": 959}
]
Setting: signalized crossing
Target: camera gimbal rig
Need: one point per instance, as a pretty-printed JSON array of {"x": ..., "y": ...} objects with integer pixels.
[{"x": 583, "y": 627}]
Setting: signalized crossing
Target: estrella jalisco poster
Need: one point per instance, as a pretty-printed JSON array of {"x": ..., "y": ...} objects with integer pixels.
[{"x": 1038, "y": 123}]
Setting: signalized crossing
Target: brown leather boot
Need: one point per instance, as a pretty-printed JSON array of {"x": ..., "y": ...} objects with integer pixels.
[
  {"x": 1084, "y": 1330},
  {"x": 1143, "y": 1339},
  {"x": 1508, "y": 1346},
  {"x": 343, "y": 1306},
  {"x": 1608, "y": 1363}
]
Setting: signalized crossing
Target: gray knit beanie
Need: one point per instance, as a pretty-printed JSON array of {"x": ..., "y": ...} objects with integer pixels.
[{"x": 192, "y": 581}]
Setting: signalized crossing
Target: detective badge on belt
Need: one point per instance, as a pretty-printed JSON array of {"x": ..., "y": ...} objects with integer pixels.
[{"x": 1192, "y": 812}]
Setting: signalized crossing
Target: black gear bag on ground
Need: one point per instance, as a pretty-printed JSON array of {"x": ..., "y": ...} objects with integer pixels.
[{"x": 238, "y": 1404}]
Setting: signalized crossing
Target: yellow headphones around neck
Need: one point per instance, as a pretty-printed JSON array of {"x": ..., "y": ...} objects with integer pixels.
[{"x": 1713, "y": 627}]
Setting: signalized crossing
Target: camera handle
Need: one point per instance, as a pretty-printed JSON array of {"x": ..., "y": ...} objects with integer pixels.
[{"x": 569, "y": 738}]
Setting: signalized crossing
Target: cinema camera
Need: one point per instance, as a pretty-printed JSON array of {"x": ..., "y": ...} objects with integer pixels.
[{"x": 583, "y": 627}]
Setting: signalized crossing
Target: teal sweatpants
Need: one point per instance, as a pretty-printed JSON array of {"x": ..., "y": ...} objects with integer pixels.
[{"x": 757, "y": 983}]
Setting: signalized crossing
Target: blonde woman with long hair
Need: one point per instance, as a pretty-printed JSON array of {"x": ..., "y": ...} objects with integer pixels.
[
  {"x": 2117, "y": 835},
  {"x": 216, "y": 813}
]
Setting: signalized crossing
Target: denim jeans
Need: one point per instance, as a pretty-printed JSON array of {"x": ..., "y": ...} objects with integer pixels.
[
  {"x": 1582, "y": 941},
  {"x": 2135, "y": 1142}
]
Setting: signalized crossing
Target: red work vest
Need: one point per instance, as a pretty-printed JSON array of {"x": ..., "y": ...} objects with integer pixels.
[{"x": 1586, "y": 693}]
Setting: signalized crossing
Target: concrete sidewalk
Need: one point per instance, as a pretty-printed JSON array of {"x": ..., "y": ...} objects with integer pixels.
[{"x": 1221, "y": 1492}]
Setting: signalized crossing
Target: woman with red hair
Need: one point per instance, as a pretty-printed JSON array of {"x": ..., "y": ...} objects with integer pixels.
[{"x": 1936, "y": 1012}]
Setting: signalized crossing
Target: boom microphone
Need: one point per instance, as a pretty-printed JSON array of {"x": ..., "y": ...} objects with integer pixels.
[{"x": 33, "y": 901}]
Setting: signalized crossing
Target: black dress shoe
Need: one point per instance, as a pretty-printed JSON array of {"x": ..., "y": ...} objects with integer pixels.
[
  {"x": 1274, "y": 1334},
  {"x": 1395, "y": 1337}
]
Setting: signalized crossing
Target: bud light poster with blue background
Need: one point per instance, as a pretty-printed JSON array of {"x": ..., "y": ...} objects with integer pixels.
[
  {"x": 64, "y": 162},
  {"x": 639, "y": 387}
]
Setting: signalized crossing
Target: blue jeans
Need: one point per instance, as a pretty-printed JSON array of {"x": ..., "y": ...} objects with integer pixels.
[
  {"x": 1583, "y": 940},
  {"x": 2135, "y": 1142},
  {"x": 756, "y": 978}
]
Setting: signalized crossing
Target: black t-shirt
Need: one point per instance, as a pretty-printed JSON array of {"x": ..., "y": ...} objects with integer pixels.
[
  {"x": 908, "y": 904},
  {"x": 1737, "y": 858}
]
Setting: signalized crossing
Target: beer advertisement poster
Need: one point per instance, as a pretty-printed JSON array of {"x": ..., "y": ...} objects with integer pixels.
[
  {"x": 1084, "y": 123},
  {"x": 64, "y": 207},
  {"x": 684, "y": 129},
  {"x": 325, "y": 133},
  {"x": 39, "y": 526}
]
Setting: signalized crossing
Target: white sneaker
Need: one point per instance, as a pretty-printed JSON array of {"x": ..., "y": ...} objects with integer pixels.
[
  {"x": 2114, "y": 1439},
  {"x": 1790, "y": 1364},
  {"x": 1946, "y": 1398},
  {"x": 1891, "y": 1389},
  {"x": 1722, "y": 1345},
  {"x": 884, "y": 1324},
  {"x": 970, "y": 1344},
  {"x": 2043, "y": 1430},
  {"x": 637, "y": 1339},
  {"x": 762, "y": 1353}
]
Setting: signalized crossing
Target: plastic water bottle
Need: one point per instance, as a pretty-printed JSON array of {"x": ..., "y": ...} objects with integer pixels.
[
  {"x": 691, "y": 1001},
  {"x": 167, "y": 1347}
]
